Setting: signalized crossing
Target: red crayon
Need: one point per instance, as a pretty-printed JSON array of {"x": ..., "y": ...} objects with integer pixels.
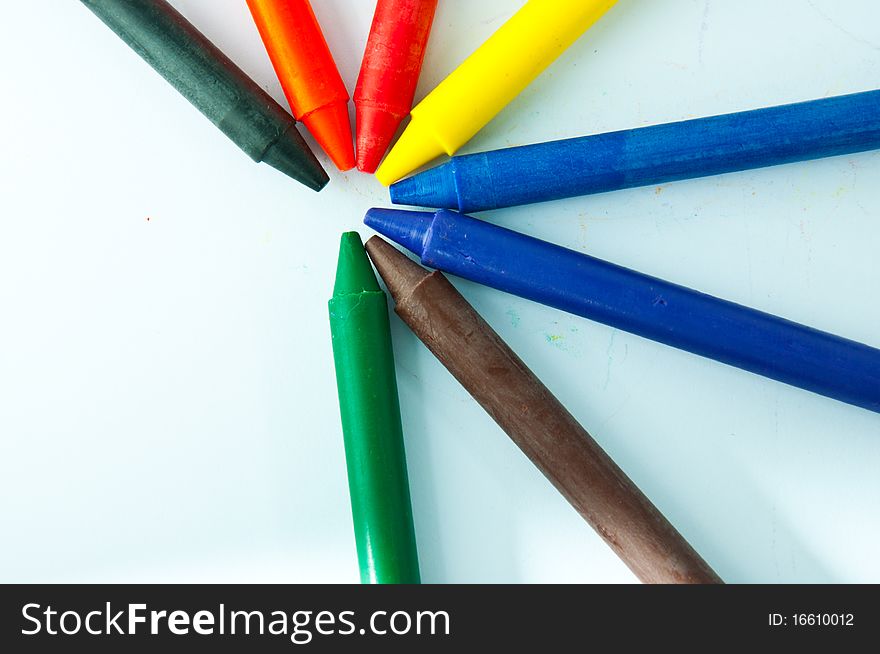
[
  {"x": 307, "y": 73},
  {"x": 389, "y": 74}
]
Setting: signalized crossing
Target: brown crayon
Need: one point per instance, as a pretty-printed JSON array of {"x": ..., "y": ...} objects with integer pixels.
[{"x": 538, "y": 423}]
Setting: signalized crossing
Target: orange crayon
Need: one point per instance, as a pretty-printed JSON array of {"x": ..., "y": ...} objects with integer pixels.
[{"x": 307, "y": 72}]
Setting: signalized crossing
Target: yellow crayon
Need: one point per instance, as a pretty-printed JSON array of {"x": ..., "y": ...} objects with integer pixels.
[{"x": 488, "y": 80}]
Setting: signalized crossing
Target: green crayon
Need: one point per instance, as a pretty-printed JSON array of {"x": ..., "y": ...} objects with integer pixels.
[
  {"x": 213, "y": 84},
  {"x": 374, "y": 452}
]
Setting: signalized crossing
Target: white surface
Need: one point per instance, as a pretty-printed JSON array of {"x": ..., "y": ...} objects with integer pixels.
[{"x": 168, "y": 406}]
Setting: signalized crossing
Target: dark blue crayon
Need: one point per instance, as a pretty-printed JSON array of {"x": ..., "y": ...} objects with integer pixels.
[
  {"x": 648, "y": 155},
  {"x": 636, "y": 303}
]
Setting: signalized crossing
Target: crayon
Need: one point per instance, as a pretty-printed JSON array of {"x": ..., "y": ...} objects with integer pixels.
[
  {"x": 652, "y": 308},
  {"x": 389, "y": 74},
  {"x": 489, "y": 80},
  {"x": 307, "y": 72},
  {"x": 648, "y": 155},
  {"x": 374, "y": 451},
  {"x": 537, "y": 422},
  {"x": 213, "y": 84}
]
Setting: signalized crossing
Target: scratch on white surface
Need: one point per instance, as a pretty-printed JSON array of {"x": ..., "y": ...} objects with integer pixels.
[
  {"x": 774, "y": 517},
  {"x": 496, "y": 18},
  {"x": 749, "y": 260},
  {"x": 614, "y": 413},
  {"x": 704, "y": 27},
  {"x": 862, "y": 207},
  {"x": 406, "y": 369},
  {"x": 840, "y": 28},
  {"x": 610, "y": 359},
  {"x": 773, "y": 540}
]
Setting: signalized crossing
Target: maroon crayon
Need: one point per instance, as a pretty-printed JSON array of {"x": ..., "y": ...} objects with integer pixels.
[{"x": 538, "y": 423}]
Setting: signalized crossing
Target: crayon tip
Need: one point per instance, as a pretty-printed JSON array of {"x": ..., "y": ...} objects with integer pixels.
[
  {"x": 375, "y": 131},
  {"x": 434, "y": 187},
  {"x": 353, "y": 271},
  {"x": 292, "y": 156},
  {"x": 406, "y": 228},
  {"x": 400, "y": 273},
  {"x": 414, "y": 148},
  {"x": 331, "y": 128}
]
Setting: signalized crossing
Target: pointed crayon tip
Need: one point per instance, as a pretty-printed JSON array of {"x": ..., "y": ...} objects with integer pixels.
[
  {"x": 331, "y": 128},
  {"x": 406, "y": 228},
  {"x": 399, "y": 272},
  {"x": 292, "y": 156},
  {"x": 375, "y": 131},
  {"x": 413, "y": 149},
  {"x": 353, "y": 271},
  {"x": 434, "y": 187}
]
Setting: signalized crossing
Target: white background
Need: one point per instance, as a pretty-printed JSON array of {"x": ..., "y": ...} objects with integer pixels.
[{"x": 167, "y": 398}]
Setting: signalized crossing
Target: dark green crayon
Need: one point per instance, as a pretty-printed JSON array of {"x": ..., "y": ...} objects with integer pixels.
[
  {"x": 213, "y": 84},
  {"x": 374, "y": 452}
]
